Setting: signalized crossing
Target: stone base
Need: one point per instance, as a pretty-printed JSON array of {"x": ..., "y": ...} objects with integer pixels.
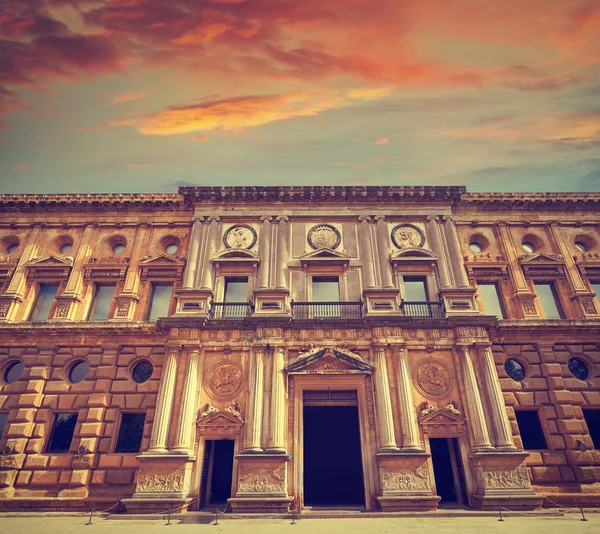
[
  {"x": 408, "y": 503},
  {"x": 155, "y": 505},
  {"x": 260, "y": 505},
  {"x": 512, "y": 502}
]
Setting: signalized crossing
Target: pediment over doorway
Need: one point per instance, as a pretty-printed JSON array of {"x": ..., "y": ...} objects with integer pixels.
[
  {"x": 441, "y": 422},
  {"x": 321, "y": 360},
  {"x": 215, "y": 423}
]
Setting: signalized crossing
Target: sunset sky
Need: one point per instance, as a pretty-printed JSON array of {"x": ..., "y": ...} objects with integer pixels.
[{"x": 147, "y": 95}]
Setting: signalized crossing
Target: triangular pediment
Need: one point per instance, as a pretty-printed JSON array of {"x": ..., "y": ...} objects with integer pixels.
[
  {"x": 329, "y": 360},
  {"x": 220, "y": 418},
  {"x": 441, "y": 416},
  {"x": 51, "y": 261},
  {"x": 162, "y": 260},
  {"x": 236, "y": 255},
  {"x": 325, "y": 255},
  {"x": 542, "y": 258}
]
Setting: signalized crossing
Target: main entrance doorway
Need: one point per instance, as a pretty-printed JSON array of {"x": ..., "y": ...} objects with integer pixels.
[
  {"x": 448, "y": 471},
  {"x": 217, "y": 472},
  {"x": 333, "y": 473}
]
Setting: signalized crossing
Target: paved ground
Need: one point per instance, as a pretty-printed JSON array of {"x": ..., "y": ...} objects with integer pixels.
[{"x": 570, "y": 524}]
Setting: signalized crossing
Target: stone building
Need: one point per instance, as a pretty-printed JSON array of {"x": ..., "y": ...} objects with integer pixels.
[{"x": 277, "y": 347}]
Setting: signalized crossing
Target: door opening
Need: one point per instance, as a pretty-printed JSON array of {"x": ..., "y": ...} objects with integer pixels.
[
  {"x": 333, "y": 473},
  {"x": 448, "y": 471},
  {"x": 217, "y": 472}
]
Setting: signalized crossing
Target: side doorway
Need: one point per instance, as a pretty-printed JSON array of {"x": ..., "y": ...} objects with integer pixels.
[
  {"x": 217, "y": 472},
  {"x": 449, "y": 473}
]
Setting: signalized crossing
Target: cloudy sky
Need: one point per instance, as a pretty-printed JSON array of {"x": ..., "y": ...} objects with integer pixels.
[{"x": 146, "y": 95}]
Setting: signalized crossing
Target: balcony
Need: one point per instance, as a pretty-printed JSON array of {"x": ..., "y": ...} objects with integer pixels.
[
  {"x": 423, "y": 310},
  {"x": 230, "y": 310},
  {"x": 327, "y": 310}
]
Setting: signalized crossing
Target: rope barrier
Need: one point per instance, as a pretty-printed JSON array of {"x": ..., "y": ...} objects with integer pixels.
[
  {"x": 101, "y": 511},
  {"x": 580, "y": 508}
]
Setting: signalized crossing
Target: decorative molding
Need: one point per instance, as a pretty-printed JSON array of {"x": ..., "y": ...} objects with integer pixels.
[
  {"x": 161, "y": 267},
  {"x": 322, "y": 360},
  {"x": 433, "y": 379},
  {"x": 441, "y": 422},
  {"x": 325, "y": 256}
]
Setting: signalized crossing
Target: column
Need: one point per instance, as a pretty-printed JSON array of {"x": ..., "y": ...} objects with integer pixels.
[
  {"x": 193, "y": 255},
  {"x": 16, "y": 286},
  {"x": 132, "y": 278},
  {"x": 206, "y": 272},
  {"x": 366, "y": 251},
  {"x": 383, "y": 401},
  {"x": 438, "y": 248},
  {"x": 383, "y": 252},
  {"x": 499, "y": 422},
  {"x": 164, "y": 404},
  {"x": 74, "y": 285},
  {"x": 264, "y": 251},
  {"x": 512, "y": 256},
  {"x": 282, "y": 252},
  {"x": 255, "y": 401},
  {"x": 277, "y": 438},
  {"x": 187, "y": 417},
  {"x": 481, "y": 436},
  {"x": 409, "y": 425},
  {"x": 456, "y": 261}
]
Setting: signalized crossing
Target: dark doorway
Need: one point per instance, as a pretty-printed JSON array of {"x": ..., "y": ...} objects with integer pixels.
[
  {"x": 332, "y": 456},
  {"x": 448, "y": 470},
  {"x": 217, "y": 472}
]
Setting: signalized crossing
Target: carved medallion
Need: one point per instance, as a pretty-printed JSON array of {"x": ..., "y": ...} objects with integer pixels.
[
  {"x": 407, "y": 236},
  {"x": 324, "y": 236},
  {"x": 433, "y": 379},
  {"x": 225, "y": 380},
  {"x": 240, "y": 236}
]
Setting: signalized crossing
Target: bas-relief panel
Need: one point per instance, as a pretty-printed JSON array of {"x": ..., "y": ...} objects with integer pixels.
[
  {"x": 160, "y": 482},
  {"x": 512, "y": 479},
  {"x": 397, "y": 479}
]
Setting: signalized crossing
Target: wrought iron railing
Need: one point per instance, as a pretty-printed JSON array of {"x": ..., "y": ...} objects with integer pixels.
[
  {"x": 327, "y": 310},
  {"x": 427, "y": 310},
  {"x": 230, "y": 310}
]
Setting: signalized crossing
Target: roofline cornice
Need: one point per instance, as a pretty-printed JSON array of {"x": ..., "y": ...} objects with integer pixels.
[
  {"x": 533, "y": 200},
  {"x": 93, "y": 200}
]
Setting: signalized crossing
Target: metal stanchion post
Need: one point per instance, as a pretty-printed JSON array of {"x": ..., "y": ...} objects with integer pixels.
[
  {"x": 90, "y": 519},
  {"x": 169, "y": 518},
  {"x": 216, "y": 517},
  {"x": 294, "y": 515},
  {"x": 582, "y": 515},
  {"x": 500, "y": 512}
]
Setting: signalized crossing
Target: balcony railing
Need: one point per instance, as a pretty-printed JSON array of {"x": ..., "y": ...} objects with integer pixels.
[
  {"x": 327, "y": 310},
  {"x": 427, "y": 310},
  {"x": 230, "y": 310}
]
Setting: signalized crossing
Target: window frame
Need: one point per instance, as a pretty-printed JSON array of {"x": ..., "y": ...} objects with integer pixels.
[
  {"x": 499, "y": 294},
  {"x": 153, "y": 286},
  {"x": 420, "y": 276},
  {"x": 118, "y": 430},
  {"x": 597, "y": 410},
  {"x": 6, "y": 423},
  {"x": 38, "y": 301},
  {"x": 111, "y": 307},
  {"x": 542, "y": 428},
  {"x": 556, "y": 295},
  {"x": 332, "y": 276},
  {"x": 53, "y": 428}
]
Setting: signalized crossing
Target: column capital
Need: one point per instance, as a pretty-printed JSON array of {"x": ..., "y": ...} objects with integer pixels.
[
  {"x": 399, "y": 347},
  {"x": 364, "y": 218},
  {"x": 199, "y": 218},
  {"x": 433, "y": 218},
  {"x": 447, "y": 218},
  {"x": 379, "y": 218},
  {"x": 212, "y": 218},
  {"x": 379, "y": 347},
  {"x": 282, "y": 218},
  {"x": 266, "y": 218},
  {"x": 192, "y": 347},
  {"x": 174, "y": 346}
]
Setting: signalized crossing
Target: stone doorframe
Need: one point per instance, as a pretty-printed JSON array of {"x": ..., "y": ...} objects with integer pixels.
[{"x": 366, "y": 417}]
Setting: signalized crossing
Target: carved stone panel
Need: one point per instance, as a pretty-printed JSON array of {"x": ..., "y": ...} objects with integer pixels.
[
  {"x": 433, "y": 379},
  {"x": 149, "y": 482},
  {"x": 398, "y": 479},
  {"x": 407, "y": 236},
  {"x": 513, "y": 479},
  {"x": 262, "y": 480},
  {"x": 324, "y": 236},
  {"x": 224, "y": 380},
  {"x": 240, "y": 236}
]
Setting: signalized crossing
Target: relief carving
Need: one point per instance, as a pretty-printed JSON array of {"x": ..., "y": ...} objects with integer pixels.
[
  {"x": 433, "y": 379},
  {"x": 529, "y": 307},
  {"x": 240, "y": 236},
  {"x": 405, "y": 479},
  {"x": 407, "y": 236},
  {"x": 517, "y": 478},
  {"x": 4, "y": 309},
  {"x": 159, "y": 482},
  {"x": 123, "y": 309},
  {"x": 324, "y": 236},
  {"x": 225, "y": 380},
  {"x": 262, "y": 481},
  {"x": 62, "y": 310},
  {"x": 588, "y": 307}
]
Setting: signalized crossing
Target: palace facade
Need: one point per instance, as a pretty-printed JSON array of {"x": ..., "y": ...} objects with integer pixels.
[{"x": 391, "y": 348}]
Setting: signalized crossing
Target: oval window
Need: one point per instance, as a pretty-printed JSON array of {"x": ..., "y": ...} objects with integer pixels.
[
  {"x": 578, "y": 368},
  {"x": 142, "y": 372},
  {"x": 12, "y": 248},
  {"x": 514, "y": 369},
  {"x": 118, "y": 248},
  {"x": 171, "y": 248},
  {"x": 475, "y": 247},
  {"x": 528, "y": 247},
  {"x": 78, "y": 372},
  {"x": 581, "y": 246},
  {"x": 65, "y": 248},
  {"x": 13, "y": 372}
]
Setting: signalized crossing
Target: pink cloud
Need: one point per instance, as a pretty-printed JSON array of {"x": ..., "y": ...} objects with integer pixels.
[
  {"x": 18, "y": 166},
  {"x": 128, "y": 96},
  {"x": 382, "y": 140}
]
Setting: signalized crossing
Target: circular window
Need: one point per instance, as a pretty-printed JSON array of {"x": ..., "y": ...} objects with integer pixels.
[
  {"x": 79, "y": 371},
  {"x": 13, "y": 372},
  {"x": 65, "y": 248},
  {"x": 12, "y": 248},
  {"x": 118, "y": 248},
  {"x": 528, "y": 246},
  {"x": 475, "y": 247},
  {"x": 578, "y": 368},
  {"x": 171, "y": 248},
  {"x": 581, "y": 246},
  {"x": 142, "y": 372},
  {"x": 514, "y": 369}
]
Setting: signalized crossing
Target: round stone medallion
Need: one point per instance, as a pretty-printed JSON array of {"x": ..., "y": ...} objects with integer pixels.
[
  {"x": 433, "y": 379},
  {"x": 225, "y": 380},
  {"x": 324, "y": 236},
  {"x": 240, "y": 236},
  {"x": 407, "y": 236}
]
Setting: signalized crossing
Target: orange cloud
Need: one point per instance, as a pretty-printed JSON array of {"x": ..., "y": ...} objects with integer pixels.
[
  {"x": 18, "y": 166},
  {"x": 235, "y": 114},
  {"x": 128, "y": 96},
  {"x": 382, "y": 140}
]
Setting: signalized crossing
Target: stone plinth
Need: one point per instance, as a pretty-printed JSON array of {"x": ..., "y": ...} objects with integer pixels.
[
  {"x": 404, "y": 482},
  {"x": 193, "y": 302}
]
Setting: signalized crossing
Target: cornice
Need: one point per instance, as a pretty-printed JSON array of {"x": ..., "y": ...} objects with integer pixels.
[
  {"x": 533, "y": 200},
  {"x": 107, "y": 328}
]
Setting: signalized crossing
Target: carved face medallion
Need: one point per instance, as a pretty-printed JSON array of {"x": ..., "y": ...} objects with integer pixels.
[
  {"x": 433, "y": 379},
  {"x": 407, "y": 236},
  {"x": 240, "y": 236},
  {"x": 324, "y": 236},
  {"x": 225, "y": 380}
]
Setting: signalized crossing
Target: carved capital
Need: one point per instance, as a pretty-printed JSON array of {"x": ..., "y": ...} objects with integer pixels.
[{"x": 364, "y": 218}]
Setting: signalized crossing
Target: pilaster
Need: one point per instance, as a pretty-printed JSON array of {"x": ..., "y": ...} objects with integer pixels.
[
  {"x": 439, "y": 250},
  {"x": 277, "y": 426},
  {"x": 383, "y": 252},
  {"x": 253, "y": 437},
  {"x": 409, "y": 425},
  {"x": 187, "y": 417}
]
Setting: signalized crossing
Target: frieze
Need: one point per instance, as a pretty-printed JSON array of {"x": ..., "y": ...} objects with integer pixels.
[
  {"x": 515, "y": 478},
  {"x": 471, "y": 332},
  {"x": 428, "y": 334},
  {"x": 159, "y": 482},
  {"x": 262, "y": 480},
  {"x": 404, "y": 479},
  {"x": 225, "y": 380},
  {"x": 433, "y": 379},
  {"x": 407, "y": 236}
]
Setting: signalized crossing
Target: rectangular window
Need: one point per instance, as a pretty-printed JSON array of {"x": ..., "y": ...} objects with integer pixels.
[
  {"x": 549, "y": 300},
  {"x": 325, "y": 289},
  {"x": 160, "y": 301},
  {"x": 102, "y": 300},
  {"x": 3, "y": 419},
  {"x": 43, "y": 303},
  {"x": 236, "y": 290},
  {"x": 596, "y": 289},
  {"x": 62, "y": 433},
  {"x": 490, "y": 298},
  {"x": 415, "y": 289},
  {"x": 592, "y": 419},
  {"x": 530, "y": 429},
  {"x": 131, "y": 431}
]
